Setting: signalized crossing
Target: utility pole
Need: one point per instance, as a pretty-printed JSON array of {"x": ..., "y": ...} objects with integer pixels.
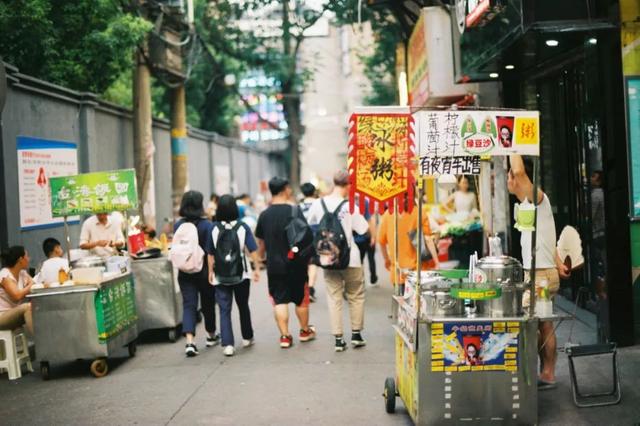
[
  {"x": 143, "y": 139},
  {"x": 179, "y": 172}
]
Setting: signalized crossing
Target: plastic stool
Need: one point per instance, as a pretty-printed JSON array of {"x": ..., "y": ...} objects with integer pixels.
[
  {"x": 13, "y": 350},
  {"x": 601, "y": 398}
]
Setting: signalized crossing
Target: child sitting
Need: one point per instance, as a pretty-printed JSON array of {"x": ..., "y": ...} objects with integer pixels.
[{"x": 51, "y": 267}]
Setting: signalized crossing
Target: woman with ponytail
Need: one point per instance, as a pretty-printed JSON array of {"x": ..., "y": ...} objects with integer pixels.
[{"x": 15, "y": 284}]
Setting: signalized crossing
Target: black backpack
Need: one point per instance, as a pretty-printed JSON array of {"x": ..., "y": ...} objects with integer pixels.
[
  {"x": 299, "y": 237},
  {"x": 230, "y": 264},
  {"x": 330, "y": 242}
]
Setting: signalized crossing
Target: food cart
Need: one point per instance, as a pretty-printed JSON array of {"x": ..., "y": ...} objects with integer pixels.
[
  {"x": 94, "y": 314},
  {"x": 460, "y": 355},
  {"x": 158, "y": 295}
]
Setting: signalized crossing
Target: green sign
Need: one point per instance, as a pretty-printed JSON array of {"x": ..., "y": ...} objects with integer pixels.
[
  {"x": 115, "y": 308},
  {"x": 633, "y": 111},
  {"x": 90, "y": 193}
]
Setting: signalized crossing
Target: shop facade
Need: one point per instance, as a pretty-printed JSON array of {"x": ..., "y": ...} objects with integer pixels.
[{"x": 576, "y": 62}]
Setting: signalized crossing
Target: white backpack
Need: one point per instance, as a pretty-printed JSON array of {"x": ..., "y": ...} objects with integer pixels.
[{"x": 186, "y": 254}]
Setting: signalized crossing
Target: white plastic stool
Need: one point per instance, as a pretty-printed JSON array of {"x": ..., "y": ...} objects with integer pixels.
[{"x": 13, "y": 350}]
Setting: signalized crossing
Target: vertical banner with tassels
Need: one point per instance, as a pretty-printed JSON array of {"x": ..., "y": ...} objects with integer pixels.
[{"x": 381, "y": 159}]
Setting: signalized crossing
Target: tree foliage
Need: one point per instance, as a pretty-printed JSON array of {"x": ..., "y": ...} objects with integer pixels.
[{"x": 82, "y": 44}]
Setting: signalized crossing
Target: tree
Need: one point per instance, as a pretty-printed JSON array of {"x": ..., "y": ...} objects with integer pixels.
[{"x": 82, "y": 44}]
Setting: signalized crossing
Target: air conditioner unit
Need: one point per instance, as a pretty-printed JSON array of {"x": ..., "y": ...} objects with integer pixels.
[{"x": 431, "y": 71}]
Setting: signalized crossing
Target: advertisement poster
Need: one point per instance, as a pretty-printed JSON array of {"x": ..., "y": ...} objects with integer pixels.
[
  {"x": 39, "y": 160},
  {"x": 475, "y": 346},
  {"x": 91, "y": 193},
  {"x": 115, "y": 308},
  {"x": 381, "y": 153},
  {"x": 633, "y": 111},
  {"x": 461, "y": 133},
  {"x": 418, "y": 67}
]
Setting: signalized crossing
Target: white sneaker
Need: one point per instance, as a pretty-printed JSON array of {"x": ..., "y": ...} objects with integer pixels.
[
  {"x": 246, "y": 343},
  {"x": 229, "y": 350}
]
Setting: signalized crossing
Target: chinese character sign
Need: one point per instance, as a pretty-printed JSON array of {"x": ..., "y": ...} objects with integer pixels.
[
  {"x": 90, "y": 193},
  {"x": 463, "y": 133},
  {"x": 475, "y": 346},
  {"x": 381, "y": 153},
  {"x": 40, "y": 160}
]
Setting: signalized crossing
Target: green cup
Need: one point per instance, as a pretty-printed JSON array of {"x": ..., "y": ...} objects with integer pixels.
[{"x": 525, "y": 217}]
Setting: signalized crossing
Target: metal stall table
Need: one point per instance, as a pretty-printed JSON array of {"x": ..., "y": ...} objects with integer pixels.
[
  {"x": 158, "y": 296},
  {"x": 437, "y": 389},
  {"x": 85, "y": 322}
]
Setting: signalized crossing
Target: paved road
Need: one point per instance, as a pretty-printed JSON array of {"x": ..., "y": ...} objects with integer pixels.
[{"x": 262, "y": 385}]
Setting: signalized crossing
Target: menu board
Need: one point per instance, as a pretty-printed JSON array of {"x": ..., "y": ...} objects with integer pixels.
[
  {"x": 115, "y": 308},
  {"x": 90, "y": 193},
  {"x": 39, "y": 160},
  {"x": 475, "y": 346}
]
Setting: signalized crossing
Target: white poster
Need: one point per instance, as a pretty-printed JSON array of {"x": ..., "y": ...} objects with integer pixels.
[
  {"x": 38, "y": 161},
  {"x": 222, "y": 176}
]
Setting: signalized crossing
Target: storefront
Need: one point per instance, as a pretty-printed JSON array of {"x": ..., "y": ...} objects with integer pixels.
[{"x": 564, "y": 59}]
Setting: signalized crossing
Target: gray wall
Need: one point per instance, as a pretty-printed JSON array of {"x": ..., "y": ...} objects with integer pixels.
[{"x": 104, "y": 136}]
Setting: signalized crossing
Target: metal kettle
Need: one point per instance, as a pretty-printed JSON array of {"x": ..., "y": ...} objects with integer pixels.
[{"x": 507, "y": 272}]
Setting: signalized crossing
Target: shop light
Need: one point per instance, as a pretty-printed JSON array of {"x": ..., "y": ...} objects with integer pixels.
[
  {"x": 494, "y": 75},
  {"x": 593, "y": 40},
  {"x": 552, "y": 43},
  {"x": 509, "y": 67}
]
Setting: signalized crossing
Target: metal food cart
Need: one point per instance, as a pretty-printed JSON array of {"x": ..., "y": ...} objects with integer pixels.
[
  {"x": 85, "y": 322},
  {"x": 472, "y": 364},
  {"x": 158, "y": 296}
]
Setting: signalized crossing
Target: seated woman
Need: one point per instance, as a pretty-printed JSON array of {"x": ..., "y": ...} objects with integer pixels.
[{"x": 15, "y": 284}]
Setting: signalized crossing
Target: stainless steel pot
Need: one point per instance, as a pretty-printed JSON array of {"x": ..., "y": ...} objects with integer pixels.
[
  {"x": 427, "y": 278},
  {"x": 439, "y": 303},
  {"x": 507, "y": 272},
  {"x": 509, "y": 304}
]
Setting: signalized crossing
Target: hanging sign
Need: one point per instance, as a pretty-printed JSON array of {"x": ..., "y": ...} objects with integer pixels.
[
  {"x": 90, "y": 193},
  {"x": 40, "y": 160},
  {"x": 381, "y": 153},
  {"x": 475, "y": 346},
  {"x": 481, "y": 12},
  {"x": 472, "y": 133}
]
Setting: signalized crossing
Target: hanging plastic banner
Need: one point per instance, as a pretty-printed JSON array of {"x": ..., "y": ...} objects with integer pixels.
[
  {"x": 381, "y": 157},
  {"x": 471, "y": 133}
]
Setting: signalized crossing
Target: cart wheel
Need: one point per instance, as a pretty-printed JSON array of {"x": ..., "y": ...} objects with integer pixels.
[
  {"x": 99, "y": 367},
  {"x": 133, "y": 348},
  {"x": 173, "y": 335},
  {"x": 390, "y": 395},
  {"x": 44, "y": 370}
]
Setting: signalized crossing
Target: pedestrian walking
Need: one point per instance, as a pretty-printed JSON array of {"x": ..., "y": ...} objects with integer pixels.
[
  {"x": 229, "y": 273},
  {"x": 310, "y": 195},
  {"x": 367, "y": 244},
  {"x": 191, "y": 233},
  {"x": 549, "y": 267},
  {"x": 287, "y": 278},
  {"x": 338, "y": 254}
]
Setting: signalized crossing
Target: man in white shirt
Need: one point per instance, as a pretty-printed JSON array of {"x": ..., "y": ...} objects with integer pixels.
[
  {"x": 100, "y": 235},
  {"x": 549, "y": 267},
  {"x": 349, "y": 281},
  {"x": 50, "y": 270}
]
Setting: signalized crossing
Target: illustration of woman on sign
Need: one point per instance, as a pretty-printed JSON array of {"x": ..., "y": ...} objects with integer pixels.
[
  {"x": 505, "y": 137},
  {"x": 472, "y": 344}
]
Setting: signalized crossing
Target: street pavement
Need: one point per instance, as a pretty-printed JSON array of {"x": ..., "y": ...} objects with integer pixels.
[{"x": 265, "y": 385}]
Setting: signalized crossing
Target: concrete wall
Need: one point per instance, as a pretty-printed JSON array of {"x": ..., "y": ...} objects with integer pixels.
[{"x": 104, "y": 135}]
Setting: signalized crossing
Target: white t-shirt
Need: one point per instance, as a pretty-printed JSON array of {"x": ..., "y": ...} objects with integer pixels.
[
  {"x": 464, "y": 201},
  {"x": 242, "y": 236},
  {"x": 50, "y": 268},
  {"x": 350, "y": 223},
  {"x": 92, "y": 230},
  {"x": 545, "y": 239},
  {"x": 5, "y": 301}
]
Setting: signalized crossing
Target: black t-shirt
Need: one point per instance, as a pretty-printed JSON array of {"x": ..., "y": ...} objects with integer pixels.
[{"x": 271, "y": 224}]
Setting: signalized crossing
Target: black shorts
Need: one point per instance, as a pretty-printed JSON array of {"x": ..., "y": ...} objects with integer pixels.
[{"x": 289, "y": 288}]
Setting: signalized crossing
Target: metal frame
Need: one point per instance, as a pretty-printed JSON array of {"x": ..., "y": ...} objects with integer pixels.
[{"x": 580, "y": 399}]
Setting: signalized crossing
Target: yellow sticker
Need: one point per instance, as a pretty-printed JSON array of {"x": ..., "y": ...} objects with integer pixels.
[
  {"x": 464, "y": 368},
  {"x": 451, "y": 368},
  {"x": 513, "y": 324},
  {"x": 510, "y": 356},
  {"x": 437, "y": 368},
  {"x": 511, "y": 362},
  {"x": 527, "y": 131},
  {"x": 511, "y": 349},
  {"x": 499, "y": 324},
  {"x": 511, "y": 368},
  {"x": 437, "y": 363}
]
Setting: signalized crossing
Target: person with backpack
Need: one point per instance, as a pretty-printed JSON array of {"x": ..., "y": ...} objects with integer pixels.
[
  {"x": 187, "y": 254},
  {"x": 338, "y": 254},
  {"x": 229, "y": 272},
  {"x": 283, "y": 234}
]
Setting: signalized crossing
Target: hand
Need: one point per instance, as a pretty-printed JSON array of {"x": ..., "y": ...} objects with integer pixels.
[
  {"x": 436, "y": 265},
  {"x": 212, "y": 278},
  {"x": 564, "y": 271},
  {"x": 102, "y": 243},
  {"x": 387, "y": 264},
  {"x": 373, "y": 242},
  {"x": 256, "y": 275}
]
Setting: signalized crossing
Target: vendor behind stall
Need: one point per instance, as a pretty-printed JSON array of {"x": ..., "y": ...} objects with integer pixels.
[{"x": 101, "y": 235}]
